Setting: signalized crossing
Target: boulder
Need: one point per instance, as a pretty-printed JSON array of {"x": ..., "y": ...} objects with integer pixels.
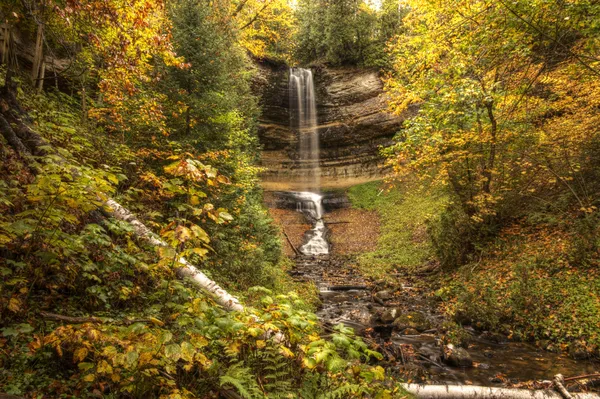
[
  {"x": 457, "y": 357},
  {"x": 383, "y": 295},
  {"x": 414, "y": 320},
  {"x": 389, "y": 315}
]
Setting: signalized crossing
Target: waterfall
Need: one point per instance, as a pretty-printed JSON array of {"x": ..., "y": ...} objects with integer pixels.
[{"x": 303, "y": 119}]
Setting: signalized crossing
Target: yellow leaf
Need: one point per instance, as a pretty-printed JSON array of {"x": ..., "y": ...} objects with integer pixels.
[
  {"x": 89, "y": 378},
  {"x": 234, "y": 347},
  {"x": 260, "y": 344},
  {"x": 80, "y": 354},
  {"x": 156, "y": 322},
  {"x": 284, "y": 350},
  {"x": 104, "y": 367},
  {"x": 14, "y": 305}
]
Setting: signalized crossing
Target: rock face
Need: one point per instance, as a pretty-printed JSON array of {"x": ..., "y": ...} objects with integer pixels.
[{"x": 352, "y": 124}]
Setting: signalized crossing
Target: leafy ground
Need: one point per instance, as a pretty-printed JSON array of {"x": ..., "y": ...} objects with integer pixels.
[
  {"x": 529, "y": 286},
  {"x": 404, "y": 215}
]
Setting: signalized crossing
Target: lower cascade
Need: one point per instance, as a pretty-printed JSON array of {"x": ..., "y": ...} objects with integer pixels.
[{"x": 311, "y": 205}]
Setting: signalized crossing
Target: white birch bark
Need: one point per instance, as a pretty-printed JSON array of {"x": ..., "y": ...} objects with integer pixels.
[
  {"x": 185, "y": 269},
  {"x": 477, "y": 392}
]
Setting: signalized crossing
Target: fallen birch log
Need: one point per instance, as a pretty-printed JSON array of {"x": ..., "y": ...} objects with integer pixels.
[
  {"x": 25, "y": 141},
  {"x": 477, "y": 392},
  {"x": 185, "y": 269}
]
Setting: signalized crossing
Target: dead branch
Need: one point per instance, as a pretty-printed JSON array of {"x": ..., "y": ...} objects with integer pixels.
[
  {"x": 558, "y": 385},
  {"x": 581, "y": 377},
  {"x": 70, "y": 319},
  {"x": 89, "y": 319},
  {"x": 290, "y": 241},
  {"x": 478, "y": 392}
]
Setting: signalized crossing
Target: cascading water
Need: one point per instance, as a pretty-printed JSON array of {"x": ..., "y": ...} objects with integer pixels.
[{"x": 303, "y": 118}]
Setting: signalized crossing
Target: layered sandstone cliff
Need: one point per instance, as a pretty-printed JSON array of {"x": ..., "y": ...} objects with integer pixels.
[{"x": 352, "y": 123}]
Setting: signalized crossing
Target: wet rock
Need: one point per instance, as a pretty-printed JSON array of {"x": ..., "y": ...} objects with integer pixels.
[
  {"x": 384, "y": 295},
  {"x": 457, "y": 357},
  {"x": 361, "y": 315},
  {"x": 493, "y": 337},
  {"x": 483, "y": 366},
  {"x": 496, "y": 380},
  {"x": 389, "y": 315},
  {"x": 578, "y": 350},
  {"x": 415, "y": 320},
  {"x": 340, "y": 298},
  {"x": 410, "y": 331}
]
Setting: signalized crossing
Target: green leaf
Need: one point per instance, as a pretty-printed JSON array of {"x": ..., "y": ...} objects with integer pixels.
[{"x": 173, "y": 351}]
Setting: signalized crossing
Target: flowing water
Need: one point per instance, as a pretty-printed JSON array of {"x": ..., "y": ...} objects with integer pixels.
[{"x": 303, "y": 119}]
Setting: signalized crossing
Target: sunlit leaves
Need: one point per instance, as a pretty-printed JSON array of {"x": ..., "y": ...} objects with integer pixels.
[{"x": 480, "y": 75}]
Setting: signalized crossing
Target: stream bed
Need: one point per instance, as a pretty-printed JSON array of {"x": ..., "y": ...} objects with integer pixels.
[{"x": 403, "y": 322}]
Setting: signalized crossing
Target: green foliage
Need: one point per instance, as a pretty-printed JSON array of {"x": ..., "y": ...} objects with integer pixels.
[
  {"x": 526, "y": 285},
  {"x": 493, "y": 84},
  {"x": 346, "y": 32},
  {"x": 405, "y": 214},
  {"x": 143, "y": 333}
]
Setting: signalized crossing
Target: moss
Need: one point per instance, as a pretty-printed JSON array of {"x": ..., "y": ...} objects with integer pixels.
[{"x": 404, "y": 214}]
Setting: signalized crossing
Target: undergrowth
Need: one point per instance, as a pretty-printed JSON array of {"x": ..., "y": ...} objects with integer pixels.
[
  {"x": 530, "y": 286},
  {"x": 404, "y": 214}
]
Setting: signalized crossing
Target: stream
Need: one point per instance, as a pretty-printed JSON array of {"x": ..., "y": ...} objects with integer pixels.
[{"x": 403, "y": 322}]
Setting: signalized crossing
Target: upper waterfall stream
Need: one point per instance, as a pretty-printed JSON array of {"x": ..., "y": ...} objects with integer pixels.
[{"x": 303, "y": 118}]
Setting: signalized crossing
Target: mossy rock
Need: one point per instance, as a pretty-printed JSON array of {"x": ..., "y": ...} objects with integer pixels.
[{"x": 415, "y": 320}]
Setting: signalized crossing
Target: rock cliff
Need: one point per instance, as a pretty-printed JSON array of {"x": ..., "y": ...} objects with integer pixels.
[{"x": 352, "y": 124}]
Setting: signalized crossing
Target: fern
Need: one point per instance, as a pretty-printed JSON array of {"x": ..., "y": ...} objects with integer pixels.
[
  {"x": 277, "y": 375},
  {"x": 242, "y": 380},
  {"x": 346, "y": 391}
]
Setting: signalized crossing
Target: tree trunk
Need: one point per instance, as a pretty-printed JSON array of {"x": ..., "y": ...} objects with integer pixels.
[
  {"x": 185, "y": 269},
  {"x": 38, "y": 56},
  {"x": 5, "y": 45},
  {"x": 492, "y": 158},
  {"x": 40, "y": 80},
  {"x": 476, "y": 392}
]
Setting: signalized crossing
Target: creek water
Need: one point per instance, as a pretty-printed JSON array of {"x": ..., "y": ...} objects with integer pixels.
[{"x": 414, "y": 354}]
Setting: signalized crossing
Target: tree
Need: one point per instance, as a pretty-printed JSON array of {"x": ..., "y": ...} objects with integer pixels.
[
  {"x": 479, "y": 72},
  {"x": 342, "y": 32}
]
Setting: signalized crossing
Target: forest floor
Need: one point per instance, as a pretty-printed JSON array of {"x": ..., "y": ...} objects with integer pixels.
[{"x": 406, "y": 307}]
